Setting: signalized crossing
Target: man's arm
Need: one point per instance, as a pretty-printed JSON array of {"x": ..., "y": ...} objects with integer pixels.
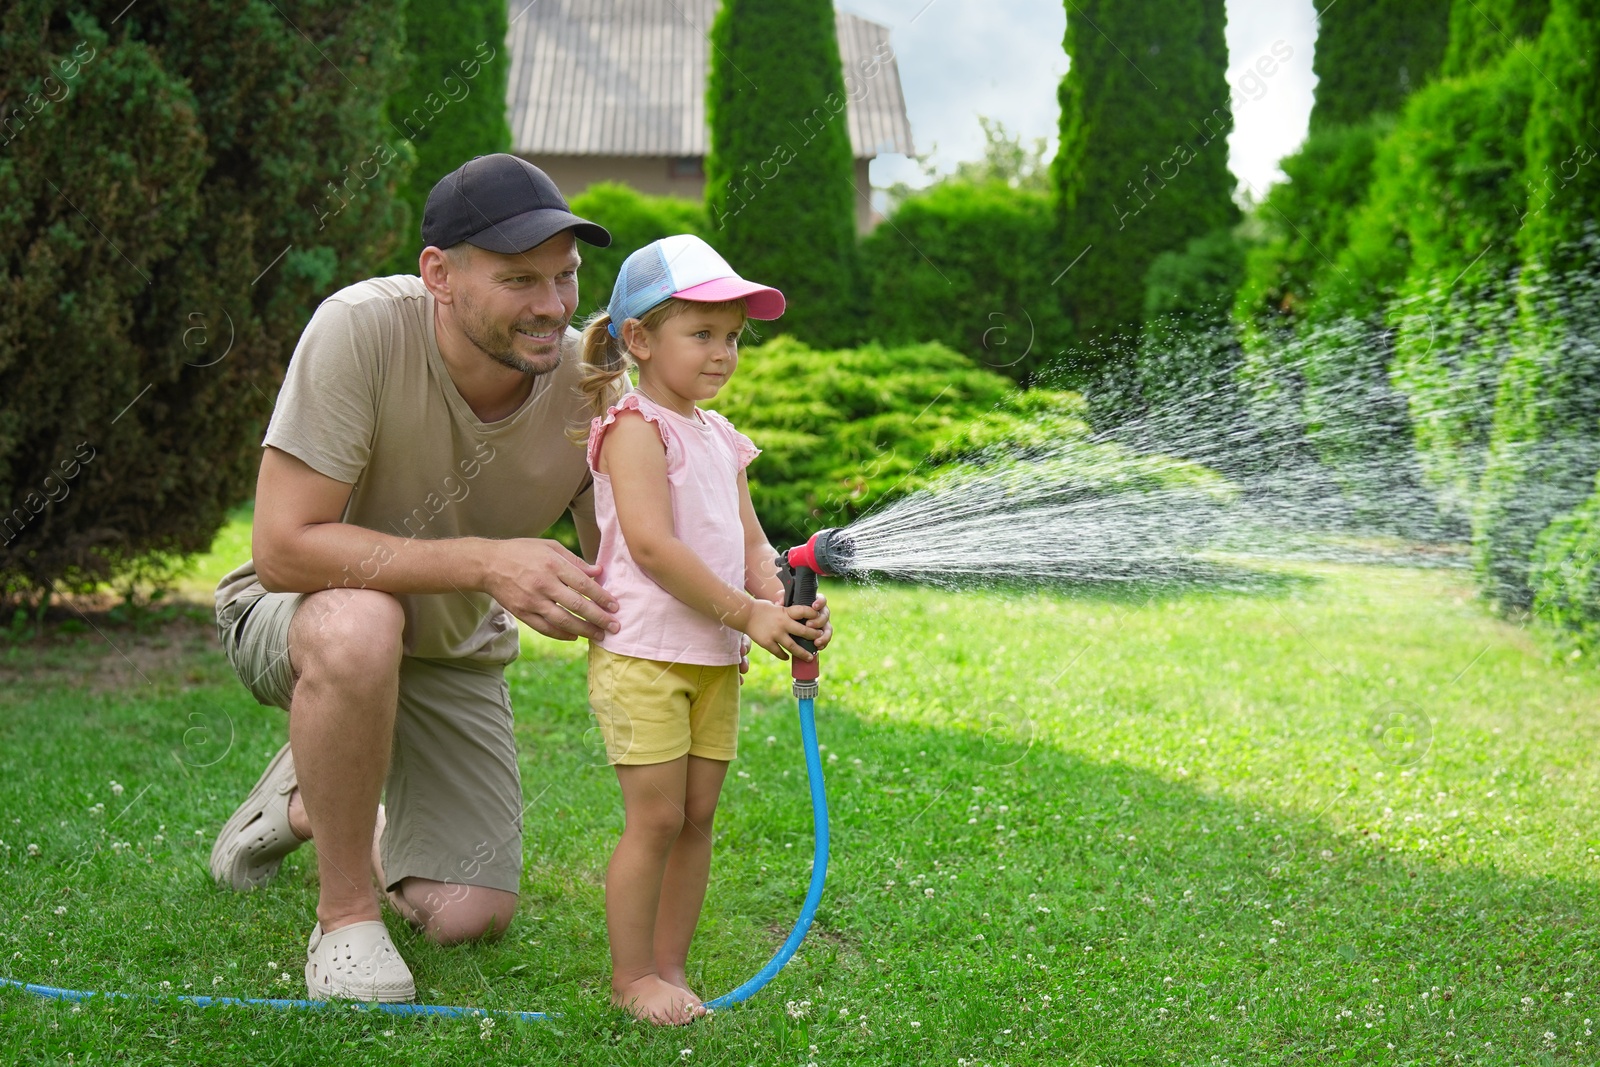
[{"x": 300, "y": 546}]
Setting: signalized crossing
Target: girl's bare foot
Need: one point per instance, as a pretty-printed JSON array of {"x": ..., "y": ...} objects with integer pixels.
[
  {"x": 656, "y": 1001},
  {"x": 679, "y": 979}
]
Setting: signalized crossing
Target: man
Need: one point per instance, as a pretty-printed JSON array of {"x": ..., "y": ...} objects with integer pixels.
[{"x": 417, "y": 450}]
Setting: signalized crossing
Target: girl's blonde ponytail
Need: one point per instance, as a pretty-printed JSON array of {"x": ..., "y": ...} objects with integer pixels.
[{"x": 605, "y": 365}]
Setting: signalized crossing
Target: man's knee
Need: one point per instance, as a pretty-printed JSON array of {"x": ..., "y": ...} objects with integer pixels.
[
  {"x": 353, "y": 631},
  {"x": 450, "y": 913}
]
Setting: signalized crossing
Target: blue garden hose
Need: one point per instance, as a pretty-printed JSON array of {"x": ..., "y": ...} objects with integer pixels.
[
  {"x": 819, "y": 873},
  {"x": 819, "y": 866}
]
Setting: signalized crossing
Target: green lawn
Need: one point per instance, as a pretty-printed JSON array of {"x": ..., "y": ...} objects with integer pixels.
[{"x": 1097, "y": 827}]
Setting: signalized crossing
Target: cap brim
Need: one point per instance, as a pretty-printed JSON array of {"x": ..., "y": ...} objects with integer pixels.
[
  {"x": 533, "y": 228},
  {"x": 761, "y": 301}
]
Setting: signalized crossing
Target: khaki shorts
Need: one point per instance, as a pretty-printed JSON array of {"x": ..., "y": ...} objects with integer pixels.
[
  {"x": 453, "y": 796},
  {"x": 651, "y": 711}
]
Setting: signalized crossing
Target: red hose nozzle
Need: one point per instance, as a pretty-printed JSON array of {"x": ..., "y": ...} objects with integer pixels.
[{"x": 828, "y": 552}]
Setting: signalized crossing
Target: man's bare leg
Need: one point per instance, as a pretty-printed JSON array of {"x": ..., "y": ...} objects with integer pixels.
[{"x": 345, "y": 648}]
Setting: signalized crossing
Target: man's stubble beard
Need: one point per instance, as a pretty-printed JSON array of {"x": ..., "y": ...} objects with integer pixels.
[{"x": 499, "y": 345}]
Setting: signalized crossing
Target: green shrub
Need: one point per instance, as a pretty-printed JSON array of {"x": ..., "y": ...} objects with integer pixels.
[
  {"x": 634, "y": 219},
  {"x": 1544, "y": 442},
  {"x": 1565, "y": 574},
  {"x": 166, "y": 228},
  {"x": 1140, "y": 170},
  {"x": 844, "y": 431},
  {"x": 968, "y": 265},
  {"x": 1543, "y": 450},
  {"x": 780, "y": 177},
  {"x": 1304, "y": 223},
  {"x": 453, "y": 105},
  {"x": 1458, "y": 200},
  {"x": 1187, "y": 346},
  {"x": 1481, "y": 31},
  {"x": 1372, "y": 53}
]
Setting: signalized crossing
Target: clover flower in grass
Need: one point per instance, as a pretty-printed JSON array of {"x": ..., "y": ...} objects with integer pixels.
[
  {"x": 116, "y": 788},
  {"x": 61, "y": 909}
]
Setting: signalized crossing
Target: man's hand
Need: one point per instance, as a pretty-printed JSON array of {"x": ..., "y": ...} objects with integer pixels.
[{"x": 546, "y": 586}]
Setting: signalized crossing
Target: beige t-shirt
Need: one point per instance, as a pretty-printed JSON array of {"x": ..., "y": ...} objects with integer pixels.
[{"x": 368, "y": 400}]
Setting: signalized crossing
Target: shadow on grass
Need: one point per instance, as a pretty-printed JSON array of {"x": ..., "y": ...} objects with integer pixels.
[{"x": 972, "y": 876}]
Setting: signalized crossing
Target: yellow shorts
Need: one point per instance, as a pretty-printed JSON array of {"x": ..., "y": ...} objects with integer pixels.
[{"x": 652, "y": 711}]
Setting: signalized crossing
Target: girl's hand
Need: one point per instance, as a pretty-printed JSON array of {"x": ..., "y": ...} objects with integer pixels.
[{"x": 775, "y": 628}]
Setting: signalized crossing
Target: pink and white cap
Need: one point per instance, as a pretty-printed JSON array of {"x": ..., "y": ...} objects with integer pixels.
[{"x": 685, "y": 267}]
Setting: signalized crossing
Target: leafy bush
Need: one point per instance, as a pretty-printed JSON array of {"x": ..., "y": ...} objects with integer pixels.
[
  {"x": 780, "y": 177},
  {"x": 844, "y": 431},
  {"x": 1186, "y": 347},
  {"x": 1543, "y": 448},
  {"x": 634, "y": 219},
  {"x": 1481, "y": 31},
  {"x": 453, "y": 105},
  {"x": 1565, "y": 574},
  {"x": 1372, "y": 53},
  {"x": 966, "y": 265},
  {"x": 1304, "y": 221},
  {"x": 1544, "y": 443},
  {"x": 1458, "y": 202},
  {"x": 1139, "y": 171},
  {"x": 166, "y": 228}
]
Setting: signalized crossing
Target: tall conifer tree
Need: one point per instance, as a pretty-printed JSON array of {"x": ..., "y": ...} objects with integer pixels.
[
  {"x": 1143, "y": 162},
  {"x": 779, "y": 187}
]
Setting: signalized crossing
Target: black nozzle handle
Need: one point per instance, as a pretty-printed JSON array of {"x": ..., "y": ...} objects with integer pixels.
[{"x": 801, "y": 589}]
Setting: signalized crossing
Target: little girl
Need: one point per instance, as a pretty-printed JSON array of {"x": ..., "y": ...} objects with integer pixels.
[{"x": 682, "y": 552}]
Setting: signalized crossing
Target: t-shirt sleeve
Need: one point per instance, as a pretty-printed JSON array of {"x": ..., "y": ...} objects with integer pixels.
[
  {"x": 327, "y": 410},
  {"x": 630, "y": 402}
]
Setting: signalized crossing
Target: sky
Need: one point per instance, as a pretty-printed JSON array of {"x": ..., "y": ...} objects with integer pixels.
[{"x": 959, "y": 59}]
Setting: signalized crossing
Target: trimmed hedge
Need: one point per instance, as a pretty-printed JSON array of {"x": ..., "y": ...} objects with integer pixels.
[
  {"x": 167, "y": 223},
  {"x": 1458, "y": 199},
  {"x": 1543, "y": 443},
  {"x": 1372, "y": 53},
  {"x": 780, "y": 177},
  {"x": 966, "y": 264},
  {"x": 1565, "y": 574},
  {"x": 1140, "y": 170},
  {"x": 453, "y": 106},
  {"x": 844, "y": 431}
]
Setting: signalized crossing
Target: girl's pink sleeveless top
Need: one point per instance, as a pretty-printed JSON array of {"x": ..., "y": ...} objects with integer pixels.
[{"x": 704, "y": 458}]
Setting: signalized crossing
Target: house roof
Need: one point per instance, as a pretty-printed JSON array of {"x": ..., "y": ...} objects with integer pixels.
[{"x": 628, "y": 78}]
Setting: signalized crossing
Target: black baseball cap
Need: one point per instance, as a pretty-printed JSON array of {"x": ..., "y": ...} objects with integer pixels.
[{"x": 502, "y": 203}]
